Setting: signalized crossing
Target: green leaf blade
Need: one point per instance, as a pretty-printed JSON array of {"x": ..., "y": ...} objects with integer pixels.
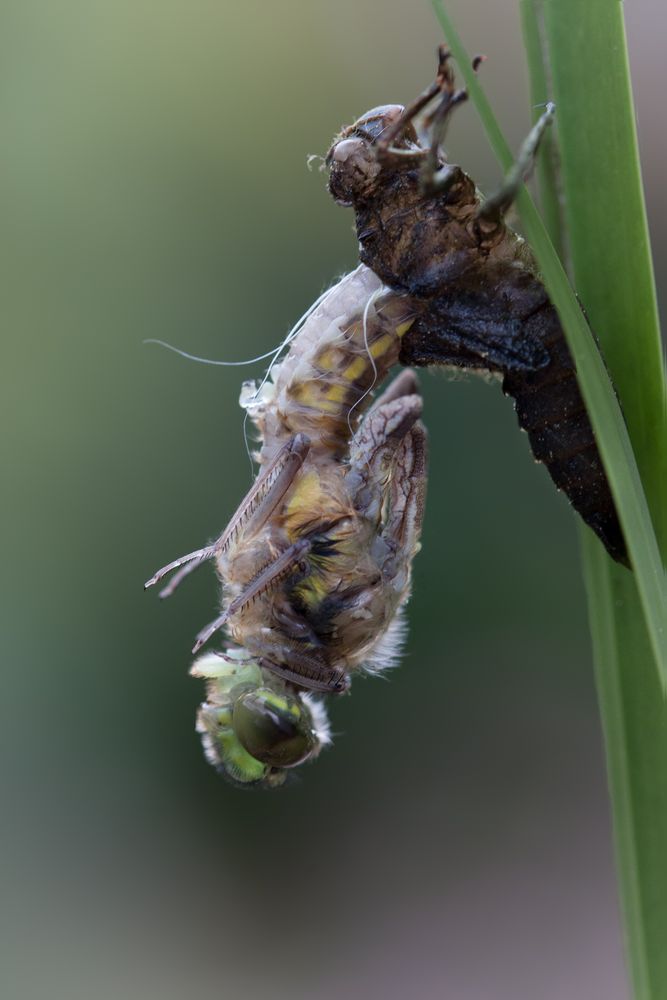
[
  {"x": 577, "y": 56},
  {"x": 610, "y": 429},
  {"x": 598, "y": 144}
]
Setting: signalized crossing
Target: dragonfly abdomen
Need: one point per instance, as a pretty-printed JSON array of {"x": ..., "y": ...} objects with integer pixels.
[{"x": 344, "y": 350}]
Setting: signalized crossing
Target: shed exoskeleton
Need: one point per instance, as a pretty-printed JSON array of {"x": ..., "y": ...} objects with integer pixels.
[
  {"x": 316, "y": 562},
  {"x": 427, "y": 232}
]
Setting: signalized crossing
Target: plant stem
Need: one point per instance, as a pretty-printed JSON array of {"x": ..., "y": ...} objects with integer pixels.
[
  {"x": 608, "y": 234},
  {"x": 598, "y": 393},
  {"x": 578, "y": 58}
]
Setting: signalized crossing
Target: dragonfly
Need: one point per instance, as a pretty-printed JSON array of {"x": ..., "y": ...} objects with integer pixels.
[
  {"x": 316, "y": 562},
  {"x": 427, "y": 232}
]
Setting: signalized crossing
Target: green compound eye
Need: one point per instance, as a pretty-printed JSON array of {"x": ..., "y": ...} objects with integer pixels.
[
  {"x": 223, "y": 749},
  {"x": 273, "y": 728}
]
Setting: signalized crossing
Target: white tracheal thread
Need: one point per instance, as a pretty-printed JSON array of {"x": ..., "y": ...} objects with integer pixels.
[
  {"x": 209, "y": 361},
  {"x": 373, "y": 297},
  {"x": 273, "y": 354},
  {"x": 276, "y": 353}
]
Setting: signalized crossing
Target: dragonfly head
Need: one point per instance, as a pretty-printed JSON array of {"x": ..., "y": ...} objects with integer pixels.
[
  {"x": 253, "y": 727},
  {"x": 352, "y": 160}
]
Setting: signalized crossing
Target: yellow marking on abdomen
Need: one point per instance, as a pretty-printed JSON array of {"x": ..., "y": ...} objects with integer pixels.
[
  {"x": 337, "y": 393},
  {"x": 328, "y": 360},
  {"x": 355, "y": 369},
  {"x": 310, "y": 394},
  {"x": 381, "y": 345}
]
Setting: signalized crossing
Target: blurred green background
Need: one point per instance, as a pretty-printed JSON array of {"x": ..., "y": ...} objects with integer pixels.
[{"x": 455, "y": 841}]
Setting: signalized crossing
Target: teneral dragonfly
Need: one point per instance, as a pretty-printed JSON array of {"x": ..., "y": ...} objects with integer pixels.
[{"x": 316, "y": 562}]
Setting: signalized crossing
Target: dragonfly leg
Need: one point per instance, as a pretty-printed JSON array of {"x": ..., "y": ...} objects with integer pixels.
[
  {"x": 209, "y": 630},
  {"x": 375, "y": 446},
  {"x": 184, "y": 571},
  {"x": 443, "y": 85},
  {"x": 435, "y": 176},
  {"x": 287, "y": 562},
  {"x": 307, "y": 670},
  {"x": 188, "y": 563},
  {"x": 407, "y": 495},
  {"x": 257, "y": 506},
  {"x": 495, "y": 206},
  {"x": 268, "y": 490}
]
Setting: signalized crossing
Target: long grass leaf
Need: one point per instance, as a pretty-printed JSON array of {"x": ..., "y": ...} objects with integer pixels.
[
  {"x": 610, "y": 429},
  {"x": 634, "y": 722},
  {"x": 561, "y": 50},
  {"x": 605, "y": 216},
  {"x": 626, "y": 746},
  {"x": 547, "y": 166}
]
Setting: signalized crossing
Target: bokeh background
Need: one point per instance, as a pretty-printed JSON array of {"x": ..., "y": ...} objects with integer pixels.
[{"x": 455, "y": 842}]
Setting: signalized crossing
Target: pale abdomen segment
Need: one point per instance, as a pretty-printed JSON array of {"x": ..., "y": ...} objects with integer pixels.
[{"x": 345, "y": 349}]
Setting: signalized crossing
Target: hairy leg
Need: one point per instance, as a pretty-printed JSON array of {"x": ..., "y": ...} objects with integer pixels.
[
  {"x": 268, "y": 579},
  {"x": 497, "y": 204},
  {"x": 375, "y": 445},
  {"x": 407, "y": 495},
  {"x": 257, "y": 506}
]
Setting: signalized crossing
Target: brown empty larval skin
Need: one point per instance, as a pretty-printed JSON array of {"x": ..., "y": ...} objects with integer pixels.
[{"x": 484, "y": 306}]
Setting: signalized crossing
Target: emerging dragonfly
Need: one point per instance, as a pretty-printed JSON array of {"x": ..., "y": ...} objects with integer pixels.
[
  {"x": 426, "y": 231},
  {"x": 316, "y": 562}
]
